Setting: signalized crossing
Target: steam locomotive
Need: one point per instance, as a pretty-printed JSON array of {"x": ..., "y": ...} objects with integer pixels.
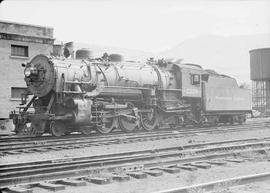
[{"x": 87, "y": 95}]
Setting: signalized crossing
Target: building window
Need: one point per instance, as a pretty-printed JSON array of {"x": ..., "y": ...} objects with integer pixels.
[
  {"x": 18, "y": 50},
  {"x": 17, "y": 91}
]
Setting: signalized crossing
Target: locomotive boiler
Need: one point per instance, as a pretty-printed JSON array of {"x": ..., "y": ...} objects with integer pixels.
[{"x": 87, "y": 95}]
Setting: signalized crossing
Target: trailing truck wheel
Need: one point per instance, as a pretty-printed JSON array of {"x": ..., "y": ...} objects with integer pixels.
[
  {"x": 127, "y": 125},
  {"x": 57, "y": 128}
]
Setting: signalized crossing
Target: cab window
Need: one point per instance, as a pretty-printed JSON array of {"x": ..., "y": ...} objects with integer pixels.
[{"x": 195, "y": 79}]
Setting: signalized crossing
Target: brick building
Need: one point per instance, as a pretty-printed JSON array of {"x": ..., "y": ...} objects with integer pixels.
[{"x": 18, "y": 44}]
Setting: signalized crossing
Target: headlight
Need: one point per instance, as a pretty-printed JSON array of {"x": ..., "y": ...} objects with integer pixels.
[{"x": 27, "y": 72}]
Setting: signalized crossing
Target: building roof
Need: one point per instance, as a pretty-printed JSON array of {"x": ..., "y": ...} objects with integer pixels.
[
  {"x": 25, "y": 30},
  {"x": 259, "y": 49},
  {"x": 26, "y": 24}
]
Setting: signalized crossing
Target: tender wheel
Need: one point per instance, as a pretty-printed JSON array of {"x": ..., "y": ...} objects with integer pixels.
[
  {"x": 107, "y": 126},
  {"x": 203, "y": 121},
  {"x": 180, "y": 121},
  {"x": 215, "y": 121},
  {"x": 85, "y": 130},
  {"x": 231, "y": 120},
  {"x": 57, "y": 128},
  {"x": 130, "y": 122},
  {"x": 241, "y": 119},
  {"x": 149, "y": 120}
]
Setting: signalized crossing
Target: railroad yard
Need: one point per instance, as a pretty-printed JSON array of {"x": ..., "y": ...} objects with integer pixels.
[
  {"x": 225, "y": 158},
  {"x": 121, "y": 96}
]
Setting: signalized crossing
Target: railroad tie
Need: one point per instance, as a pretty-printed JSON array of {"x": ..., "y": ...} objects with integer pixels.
[
  {"x": 137, "y": 175},
  {"x": 19, "y": 189},
  {"x": 235, "y": 160},
  {"x": 71, "y": 182},
  {"x": 216, "y": 162},
  {"x": 66, "y": 147},
  {"x": 50, "y": 186},
  {"x": 40, "y": 150},
  {"x": 171, "y": 170},
  {"x": 201, "y": 165},
  {"x": 153, "y": 172},
  {"x": 120, "y": 178},
  {"x": 87, "y": 145},
  {"x": 12, "y": 152},
  {"x": 55, "y": 148},
  {"x": 27, "y": 151},
  {"x": 107, "y": 143},
  {"x": 186, "y": 167},
  {"x": 98, "y": 180}
]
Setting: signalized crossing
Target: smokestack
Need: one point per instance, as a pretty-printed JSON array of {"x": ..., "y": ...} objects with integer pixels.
[
  {"x": 58, "y": 49},
  {"x": 68, "y": 49}
]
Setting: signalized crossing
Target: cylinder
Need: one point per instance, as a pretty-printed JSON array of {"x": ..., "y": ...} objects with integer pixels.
[{"x": 82, "y": 115}]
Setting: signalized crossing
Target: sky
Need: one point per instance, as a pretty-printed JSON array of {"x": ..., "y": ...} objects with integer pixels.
[{"x": 146, "y": 25}]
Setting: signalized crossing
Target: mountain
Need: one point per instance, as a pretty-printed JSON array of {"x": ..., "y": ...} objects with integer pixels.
[{"x": 225, "y": 54}]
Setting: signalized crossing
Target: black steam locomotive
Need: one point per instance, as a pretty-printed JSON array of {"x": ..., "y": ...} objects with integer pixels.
[{"x": 85, "y": 94}]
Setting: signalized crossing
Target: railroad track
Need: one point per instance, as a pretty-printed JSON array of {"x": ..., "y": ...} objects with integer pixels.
[
  {"x": 210, "y": 186},
  {"x": 32, "y": 145},
  {"x": 94, "y": 134},
  {"x": 120, "y": 166}
]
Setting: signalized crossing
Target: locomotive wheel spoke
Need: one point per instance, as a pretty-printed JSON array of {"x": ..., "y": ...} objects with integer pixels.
[
  {"x": 107, "y": 127},
  {"x": 149, "y": 121},
  {"x": 128, "y": 124}
]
